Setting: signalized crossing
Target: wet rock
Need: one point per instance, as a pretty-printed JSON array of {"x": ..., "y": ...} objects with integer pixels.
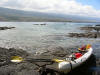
[
  {"x": 90, "y": 28},
  {"x": 90, "y": 32},
  {"x": 5, "y": 54},
  {"x": 18, "y": 69},
  {"x": 23, "y": 68},
  {"x": 40, "y": 24},
  {"x": 53, "y": 51},
  {"x": 57, "y": 51},
  {"x": 4, "y": 28},
  {"x": 97, "y": 25},
  {"x": 86, "y": 35},
  {"x": 9, "y": 68},
  {"x": 43, "y": 24},
  {"x": 32, "y": 68},
  {"x": 35, "y": 24},
  {"x": 87, "y": 28}
]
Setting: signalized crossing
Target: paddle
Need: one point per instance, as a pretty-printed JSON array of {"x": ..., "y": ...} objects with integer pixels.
[{"x": 18, "y": 59}]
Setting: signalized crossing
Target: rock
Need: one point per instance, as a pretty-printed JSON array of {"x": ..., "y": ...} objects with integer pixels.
[
  {"x": 52, "y": 51},
  {"x": 87, "y": 28},
  {"x": 4, "y": 28},
  {"x": 57, "y": 51},
  {"x": 91, "y": 28},
  {"x": 23, "y": 68},
  {"x": 43, "y": 24},
  {"x": 86, "y": 35},
  {"x": 40, "y": 24},
  {"x": 9, "y": 68},
  {"x": 97, "y": 25},
  {"x": 18, "y": 69},
  {"x": 32, "y": 68},
  {"x": 90, "y": 32}
]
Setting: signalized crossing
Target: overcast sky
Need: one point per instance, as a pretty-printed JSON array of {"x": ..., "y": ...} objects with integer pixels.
[{"x": 89, "y": 8}]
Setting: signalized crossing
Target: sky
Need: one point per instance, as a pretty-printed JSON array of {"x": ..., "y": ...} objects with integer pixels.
[
  {"x": 88, "y": 8},
  {"x": 94, "y": 3}
]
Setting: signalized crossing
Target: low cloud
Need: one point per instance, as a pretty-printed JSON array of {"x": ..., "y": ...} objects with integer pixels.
[{"x": 71, "y": 7}]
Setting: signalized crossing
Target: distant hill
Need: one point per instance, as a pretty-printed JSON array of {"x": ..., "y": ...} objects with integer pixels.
[{"x": 32, "y": 16}]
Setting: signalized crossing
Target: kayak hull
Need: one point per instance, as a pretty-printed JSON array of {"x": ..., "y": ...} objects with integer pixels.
[{"x": 67, "y": 66}]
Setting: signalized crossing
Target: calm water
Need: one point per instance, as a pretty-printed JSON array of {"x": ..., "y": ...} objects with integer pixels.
[{"x": 32, "y": 37}]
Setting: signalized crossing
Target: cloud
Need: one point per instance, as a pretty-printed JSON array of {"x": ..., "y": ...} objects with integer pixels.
[
  {"x": 3, "y": 1},
  {"x": 71, "y": 7}
]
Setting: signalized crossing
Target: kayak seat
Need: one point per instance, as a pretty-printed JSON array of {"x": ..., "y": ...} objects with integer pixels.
[
  {"x": 78, "y": 55},
  {"x": 74, "y": 56}
]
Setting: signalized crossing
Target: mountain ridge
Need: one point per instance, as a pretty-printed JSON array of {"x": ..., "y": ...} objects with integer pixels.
[{"x": 7, "y": 14}]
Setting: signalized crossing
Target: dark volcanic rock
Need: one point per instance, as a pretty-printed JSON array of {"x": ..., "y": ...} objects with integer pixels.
[
  {"x": 86, "y": 35},
  {"x": 57, "y": 51},
  {"x": 26, "y": 67},
  {"x": 6, "y": 54},
  {"x": 90, "y": 32},
  {"x": 87, "y": 28},
  {"x": 53, "y": 52},
  {"x": 31, "y": 68},
  {"x": 90, "y": 28},
  {"x": 9, "y": 68},
  {"x": 4, "y": 28}
]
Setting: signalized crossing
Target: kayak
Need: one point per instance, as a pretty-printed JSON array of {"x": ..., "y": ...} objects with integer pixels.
[{"x": 66, "y": 66}]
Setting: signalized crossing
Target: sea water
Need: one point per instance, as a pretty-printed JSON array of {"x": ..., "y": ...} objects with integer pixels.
[{"x": 32, "y": 35}]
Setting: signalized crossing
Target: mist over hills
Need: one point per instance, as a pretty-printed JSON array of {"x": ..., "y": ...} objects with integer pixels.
[{"x": 14, "y": 15}]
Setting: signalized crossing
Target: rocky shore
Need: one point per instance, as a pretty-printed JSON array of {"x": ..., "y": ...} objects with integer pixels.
[
  {"x": 86, "y": 35},
  {"x": 89, "y": 32},
  {"x": 8, "y": 68},
  {"x": 23, "y": 68},
  {"x": 34, "y": 68},
  {"x": 40, "y": 68},
  {"x": 29, "y": 67}
]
